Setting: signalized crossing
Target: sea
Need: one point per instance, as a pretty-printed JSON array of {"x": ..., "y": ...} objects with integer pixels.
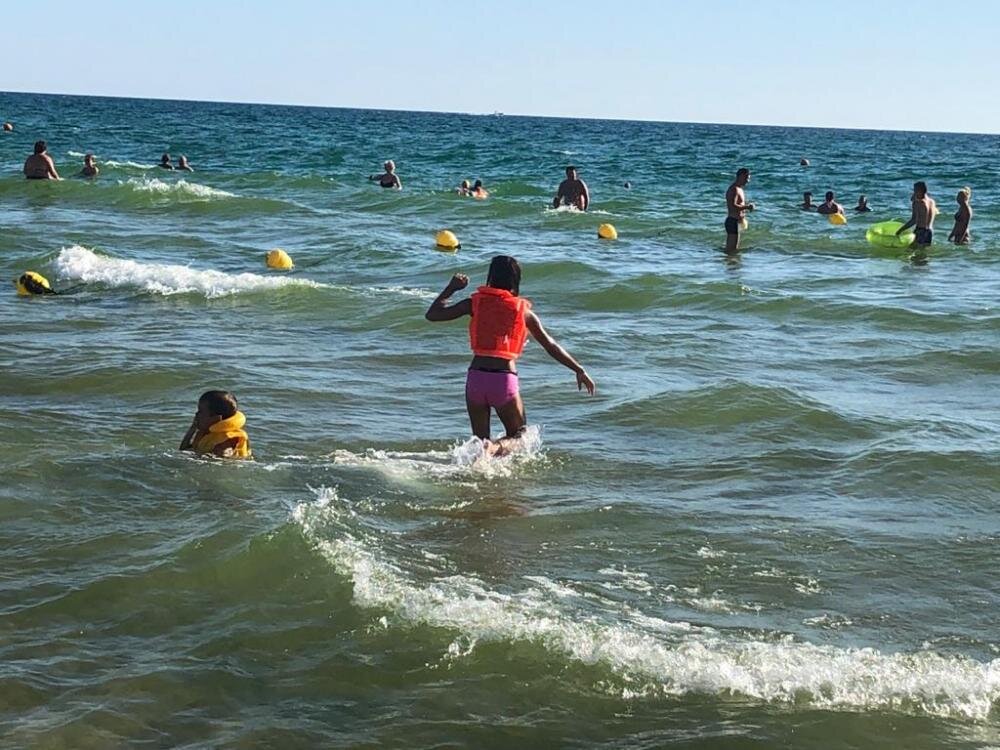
[{"x": 776, "y": 523}]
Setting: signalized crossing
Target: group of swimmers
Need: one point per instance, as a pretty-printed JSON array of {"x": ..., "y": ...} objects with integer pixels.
[
  {"x": 501, "y": 320},
  {"x": 923, "y": 210},
  {"x": 39, "y": 165}
]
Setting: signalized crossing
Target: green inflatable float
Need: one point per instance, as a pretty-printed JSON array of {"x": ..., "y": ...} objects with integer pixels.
[{"x": 884, "y": 235}]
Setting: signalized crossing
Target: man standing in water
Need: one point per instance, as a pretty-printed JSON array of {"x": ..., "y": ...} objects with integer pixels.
[
  {"x": 572, "y": 192},
  {"x": 924, "y": 210},
  {"x": 736, "y": 209},
  {"x": 39, "y": 166}
]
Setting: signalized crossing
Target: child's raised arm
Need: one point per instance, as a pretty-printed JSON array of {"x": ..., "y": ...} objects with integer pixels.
[{"x": 439, "y": 310}]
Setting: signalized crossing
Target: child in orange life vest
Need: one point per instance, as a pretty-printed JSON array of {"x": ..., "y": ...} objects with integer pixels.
[
  {"x": 217, "y": 427},
  {"x": 501, "y": 321}
]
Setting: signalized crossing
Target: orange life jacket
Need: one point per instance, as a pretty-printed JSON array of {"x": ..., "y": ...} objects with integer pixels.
[
  {"x": 497, "y": 328},
  {"x": 224, "y": 431}
]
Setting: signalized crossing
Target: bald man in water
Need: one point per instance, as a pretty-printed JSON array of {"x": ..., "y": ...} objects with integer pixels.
[{"x": 572, "y": 192}]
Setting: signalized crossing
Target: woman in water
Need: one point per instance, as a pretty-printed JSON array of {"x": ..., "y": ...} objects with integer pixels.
[
  {"x": 388, "y": 179},
  {"x": 501, "y": 322},
  {"x": 963, "y": 217}
]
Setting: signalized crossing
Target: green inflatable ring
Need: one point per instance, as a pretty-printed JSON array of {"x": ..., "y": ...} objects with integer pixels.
[{"x": 884, "y": 234}]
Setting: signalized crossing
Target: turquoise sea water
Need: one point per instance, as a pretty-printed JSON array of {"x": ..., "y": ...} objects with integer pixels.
[{"x": 775, "y": 525}]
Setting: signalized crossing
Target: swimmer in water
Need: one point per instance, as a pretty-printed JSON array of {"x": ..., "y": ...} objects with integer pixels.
[
  {"x": 807, "y": 202},
  {"x": 389, "y": 178},
  {"x": 960, "y": 234},
  {"x": 165, "y": 162},
  {"x": 217, "y": 428},
  {"x": 182, "y": 164},
  {"x": 736, "y": 209},
  {"x": 90, "y": 169},
  {"x": 803, "y": 162},
  {"x": 478, "y": 191},
  {"x": 501, "y": 322},
  {"x": 8, "y": 127},
  {"x": 924, "y": 209},
  {"x": 829, "y": 206},
  {"x": 465, "y": 188},
  {"x": 863, "y": 207},
  {"x": 572, "y": 191},
  {"x": 39, "y": 166}
]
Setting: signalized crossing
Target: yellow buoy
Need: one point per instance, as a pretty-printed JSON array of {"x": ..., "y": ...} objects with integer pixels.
[
  {"x": 607, "y": 232},
  {"x": 279, "y": 260},
  {"x": 838, "y": 220},
  {"x": 29, "y": 283},
  {"x": 446, "y": 240}
]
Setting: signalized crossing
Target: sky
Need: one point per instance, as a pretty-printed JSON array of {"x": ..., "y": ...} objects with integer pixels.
[{"x": 884, "y": 64}]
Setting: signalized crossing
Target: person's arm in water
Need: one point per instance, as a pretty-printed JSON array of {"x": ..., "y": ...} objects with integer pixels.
[
  {"x": 912, "y": 222},
  {"x": 560, "y": 192},
  {"x": 187, "y": 443},
  {"x": 585, "y": 195},
  {"x": 398, "y": 182},
  {"x": 440, "y": 310},
  {"x": 50, "y": 166},
  {"x": 560, "y": 355}
]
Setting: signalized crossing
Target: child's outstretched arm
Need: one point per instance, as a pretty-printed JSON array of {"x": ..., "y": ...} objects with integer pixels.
[
  {"x": 439, "y": 309},
  {"x": 559, "y": 354}
]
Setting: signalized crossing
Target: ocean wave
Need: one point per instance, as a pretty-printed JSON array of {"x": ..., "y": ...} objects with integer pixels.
[
  {"x": 127, "y": 165},
  {"x": 464, "y": 460},
  {"x": 674, "y": 658},
  {"x": 181, "y": 189},
  {"x": 78, "y": 263}
]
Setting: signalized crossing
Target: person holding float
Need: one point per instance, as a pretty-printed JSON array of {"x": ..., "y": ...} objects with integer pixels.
[{"x": 501, "y": 322}]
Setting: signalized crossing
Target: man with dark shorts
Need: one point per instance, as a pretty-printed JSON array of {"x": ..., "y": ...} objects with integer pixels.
[
  {"x": 922, "y": 217},
  {"x": 572, "y": 192},
  {"x": 736, "y": 209},
  {"x": 39, "y": 166}
]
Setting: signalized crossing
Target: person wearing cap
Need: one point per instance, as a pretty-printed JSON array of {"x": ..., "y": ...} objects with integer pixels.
[
  {"x": 388, "y": 179},
  {"x": 90, "y": 169},
  {"x": 39, "y": 166},
  {"x": 572, "y": 191}
]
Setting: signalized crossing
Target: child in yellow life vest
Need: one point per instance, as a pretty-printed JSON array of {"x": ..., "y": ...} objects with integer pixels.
[
  {"x": 501, "y": 322},
  {"x": 217, "y": 427}
]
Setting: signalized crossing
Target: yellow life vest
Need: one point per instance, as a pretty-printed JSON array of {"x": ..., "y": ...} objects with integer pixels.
[
  {"x": 223, "y": 431},
  {"x": 29, "y": 283}
]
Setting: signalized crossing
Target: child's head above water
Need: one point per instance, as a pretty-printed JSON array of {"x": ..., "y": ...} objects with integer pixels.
[
  {"x": 214, "y": 406},
  {"x": 505, "y": 273}
]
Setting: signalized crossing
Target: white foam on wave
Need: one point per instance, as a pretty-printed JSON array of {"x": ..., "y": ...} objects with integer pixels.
[
  {"x": 81, "y": 264},
  {"x": 181, "y": 189},
  {"x": 128, "y": 164},
  {"x": 670, "y": 660},
  {"x": 76, "y": 153},
  {"x": 574, "y": 210},
  {"x": 463, "y": 460}
]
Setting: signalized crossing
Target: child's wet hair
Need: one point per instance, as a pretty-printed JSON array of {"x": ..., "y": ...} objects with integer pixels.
[
  {"x": 505, "y": 273},
  {"x": 220, "y": 403}
]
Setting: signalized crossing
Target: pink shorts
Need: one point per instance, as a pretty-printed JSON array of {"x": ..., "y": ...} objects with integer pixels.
[{"x": 494, "y": 389}]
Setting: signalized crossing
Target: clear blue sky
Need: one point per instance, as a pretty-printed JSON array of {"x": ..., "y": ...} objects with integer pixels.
[{"x": 879, "y": 64}]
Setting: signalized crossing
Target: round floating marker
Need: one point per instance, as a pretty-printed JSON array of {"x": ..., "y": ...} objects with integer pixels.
[
  {"x": 607, "y": 232},
  {"x": 30, "y": 283},
  {"x": 446, "y": 240},
  {"x": 838, "y": 220},
  {"x": 279, "y": 260}
]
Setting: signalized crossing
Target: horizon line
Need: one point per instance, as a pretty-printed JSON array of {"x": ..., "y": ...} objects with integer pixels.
[{"x": 504, "y": 114}]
